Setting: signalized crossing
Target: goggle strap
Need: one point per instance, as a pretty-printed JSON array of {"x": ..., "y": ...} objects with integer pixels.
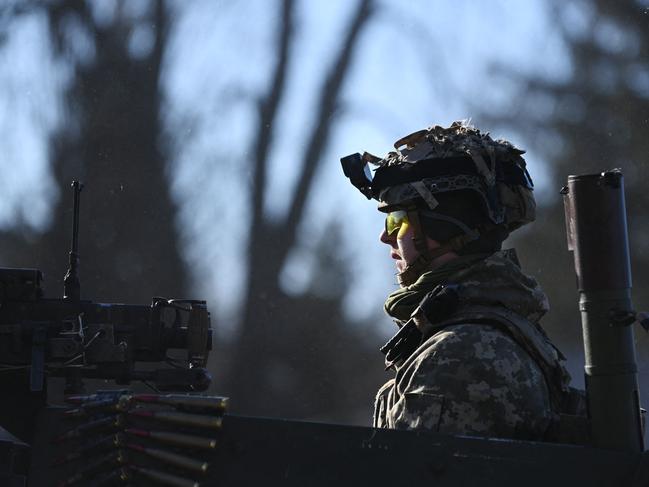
[{"x": 472, "y": 233}]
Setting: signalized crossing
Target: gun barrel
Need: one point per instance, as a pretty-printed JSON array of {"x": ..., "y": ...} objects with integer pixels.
[
  {"x": 76, "y": 187},
  {"x": 71, "y": 285},
  {"x": 597, "y": 235}
]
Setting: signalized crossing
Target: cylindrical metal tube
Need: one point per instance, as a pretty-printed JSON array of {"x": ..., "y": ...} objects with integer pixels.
[{"x": 597, "y": 233}]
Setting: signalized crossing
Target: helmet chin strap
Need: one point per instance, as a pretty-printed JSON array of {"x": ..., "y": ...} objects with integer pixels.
[
  {"x": 413, "y": 270},
  {"x": 424, "y": 261}
]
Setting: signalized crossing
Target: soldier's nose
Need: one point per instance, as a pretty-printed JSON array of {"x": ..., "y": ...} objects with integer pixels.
[{"x": 384, "y": 237}]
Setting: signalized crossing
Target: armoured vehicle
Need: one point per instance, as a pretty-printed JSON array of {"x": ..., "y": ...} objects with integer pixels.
[{"x": 173, "y": 438}]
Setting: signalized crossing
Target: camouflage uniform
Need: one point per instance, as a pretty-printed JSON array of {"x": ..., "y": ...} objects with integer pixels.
[{"x": 474, "y": 373}]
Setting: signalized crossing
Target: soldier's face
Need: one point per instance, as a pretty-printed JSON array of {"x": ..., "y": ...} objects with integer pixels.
[
  {"x": 400, "y": 238},
  {"x": 402, "y": 247}
]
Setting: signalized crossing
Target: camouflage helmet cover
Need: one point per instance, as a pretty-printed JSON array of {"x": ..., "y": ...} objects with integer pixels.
[{"x": 460, "y": 157}]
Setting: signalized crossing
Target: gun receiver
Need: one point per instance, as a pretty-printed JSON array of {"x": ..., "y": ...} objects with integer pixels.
[{"x": 105, "y": 341}]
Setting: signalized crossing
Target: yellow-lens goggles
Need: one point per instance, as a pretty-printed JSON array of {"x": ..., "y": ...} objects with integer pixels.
[{"x": 396, "y": 221}]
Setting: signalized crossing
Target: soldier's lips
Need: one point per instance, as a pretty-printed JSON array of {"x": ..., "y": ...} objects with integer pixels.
[{"x": 395, "y": 256}]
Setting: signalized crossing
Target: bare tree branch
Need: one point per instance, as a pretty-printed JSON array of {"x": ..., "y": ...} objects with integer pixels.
[
  {"x": 322, "y": 129},
  {"x": 267, "y": 113}
]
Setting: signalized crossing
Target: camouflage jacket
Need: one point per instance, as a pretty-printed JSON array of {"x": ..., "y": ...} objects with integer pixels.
[{"x": 488, "y": 369}]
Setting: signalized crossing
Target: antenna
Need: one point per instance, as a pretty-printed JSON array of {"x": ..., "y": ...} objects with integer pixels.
[{"x": 71, "y": 285}]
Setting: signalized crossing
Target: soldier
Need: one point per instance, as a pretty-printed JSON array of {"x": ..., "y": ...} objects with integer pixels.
[{"x": 470, "y": 356}]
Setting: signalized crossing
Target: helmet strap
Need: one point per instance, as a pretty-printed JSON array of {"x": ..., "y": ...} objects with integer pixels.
[
  {"x": 418, "y": 236},
  {"x": 412, "y": 271}
]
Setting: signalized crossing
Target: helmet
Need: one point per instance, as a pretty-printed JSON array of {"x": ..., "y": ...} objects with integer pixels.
[{"x": 469, "y": 191}]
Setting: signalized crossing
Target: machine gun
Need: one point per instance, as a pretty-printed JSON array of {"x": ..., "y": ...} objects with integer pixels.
[
  {"x": 78, "y": 338},
  {"x": 81, "y": 339}
]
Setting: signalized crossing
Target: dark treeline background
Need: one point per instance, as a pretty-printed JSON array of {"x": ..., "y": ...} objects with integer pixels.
[{"x": 300, "y": 354}]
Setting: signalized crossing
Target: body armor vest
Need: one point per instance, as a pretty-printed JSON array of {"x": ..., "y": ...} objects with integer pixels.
[{"x": 569, "y": 404}]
